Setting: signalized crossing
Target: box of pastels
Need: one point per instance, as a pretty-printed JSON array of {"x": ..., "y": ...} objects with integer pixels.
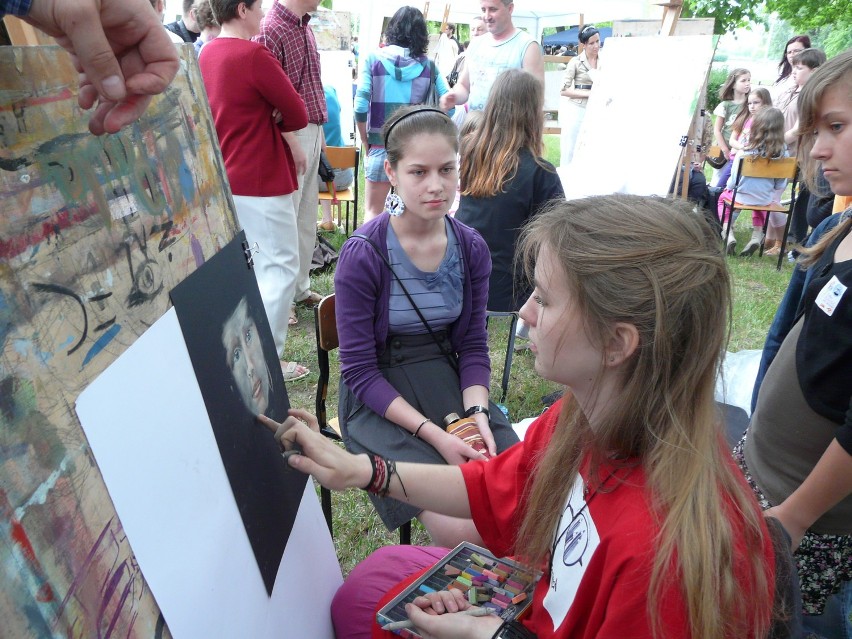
[{"x": 499, "y": 586}]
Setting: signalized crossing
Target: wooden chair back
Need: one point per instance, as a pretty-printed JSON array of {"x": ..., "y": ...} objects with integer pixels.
[
  {"x": 780, "y": 168},
  {"x": 341, "y": 157}
]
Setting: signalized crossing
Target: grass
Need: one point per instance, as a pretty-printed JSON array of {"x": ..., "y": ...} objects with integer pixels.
[{"x": 757, "y": 290}]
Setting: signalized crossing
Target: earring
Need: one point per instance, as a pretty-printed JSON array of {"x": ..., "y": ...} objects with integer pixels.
[{"x": 393, "y": 204}]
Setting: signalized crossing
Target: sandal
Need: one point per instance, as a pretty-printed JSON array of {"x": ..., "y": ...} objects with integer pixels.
[
  {"x": 293, "y": 319},
  {"x": 311, "y": 300},
  {"x": 293, "y": 371}
]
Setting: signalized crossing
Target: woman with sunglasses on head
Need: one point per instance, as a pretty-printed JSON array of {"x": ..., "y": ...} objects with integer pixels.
[{"x": 577, "y": 86}]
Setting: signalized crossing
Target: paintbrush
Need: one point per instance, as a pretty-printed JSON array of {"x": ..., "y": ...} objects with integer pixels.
[{"x": 399, "y": 625}]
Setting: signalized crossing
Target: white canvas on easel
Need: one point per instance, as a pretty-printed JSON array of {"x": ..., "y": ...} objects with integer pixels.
[
  {"x": 641, "y": 106},
  {"x": 148, "y": 428}
]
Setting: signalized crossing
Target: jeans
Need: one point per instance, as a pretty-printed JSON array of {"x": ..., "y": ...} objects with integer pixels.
[{"x": 834, "y": 622}]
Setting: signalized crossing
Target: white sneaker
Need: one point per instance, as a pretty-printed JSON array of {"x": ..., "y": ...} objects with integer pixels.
[{"x": 731, "y": 249}]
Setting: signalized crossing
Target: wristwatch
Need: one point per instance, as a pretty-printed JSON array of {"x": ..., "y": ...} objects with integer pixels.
[
  {"x": 477, "y": 409},
  {"x": 513, "y": 630}
]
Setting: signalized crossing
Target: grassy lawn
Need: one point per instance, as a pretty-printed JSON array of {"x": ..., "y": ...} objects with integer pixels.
[{"x": 757, "y": 289}]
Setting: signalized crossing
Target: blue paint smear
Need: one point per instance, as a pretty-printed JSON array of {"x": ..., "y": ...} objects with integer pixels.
[
  {"x": 187, "y": 185},
  {"x": 67, "y": 343},
  {"x": 101, "y": 342}
]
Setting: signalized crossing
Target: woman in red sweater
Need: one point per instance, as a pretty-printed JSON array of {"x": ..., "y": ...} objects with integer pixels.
[{"x": 253, "y": 102}]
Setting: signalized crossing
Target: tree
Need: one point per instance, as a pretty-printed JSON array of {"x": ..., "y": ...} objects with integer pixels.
[
  {"x": 810, "y": 15},
  {"x": 728, "y": 15},
  {"x": 802, "y": 15}
]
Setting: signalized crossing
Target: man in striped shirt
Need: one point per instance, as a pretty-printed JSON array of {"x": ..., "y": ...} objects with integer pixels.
[{"x": 286, "y": 33}]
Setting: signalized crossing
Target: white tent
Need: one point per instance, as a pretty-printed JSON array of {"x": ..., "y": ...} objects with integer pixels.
[{"x": 531, "y": 15}]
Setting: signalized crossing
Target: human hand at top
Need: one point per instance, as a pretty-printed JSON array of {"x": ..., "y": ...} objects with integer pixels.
[
  {"x": 438, "y": 616},
  {"x": 119, "y": 47}
]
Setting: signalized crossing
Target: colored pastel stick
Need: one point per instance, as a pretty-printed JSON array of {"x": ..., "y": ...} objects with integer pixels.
[{"x": 519, "y": 598}]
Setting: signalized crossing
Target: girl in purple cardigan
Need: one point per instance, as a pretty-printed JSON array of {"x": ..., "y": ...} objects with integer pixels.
[{"x": 400, "y": 378}]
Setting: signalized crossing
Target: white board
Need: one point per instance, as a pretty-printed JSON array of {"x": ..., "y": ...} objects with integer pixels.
[
  {"x": 637, "y": 113},
  {"x": 147, "y": 426}
]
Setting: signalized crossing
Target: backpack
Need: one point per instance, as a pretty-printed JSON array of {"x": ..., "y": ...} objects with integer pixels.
[{"x": 324, "y": 255}]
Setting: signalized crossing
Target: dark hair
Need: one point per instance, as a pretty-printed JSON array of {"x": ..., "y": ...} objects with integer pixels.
[
  {"x": 406, "y": 122},
  {"x": 204, "y": 15},
  {"x": 586, "y": 34},
  {"x": 784, "y": 67},
  {"x": 187, "y": 5},
  {"x": 407, "y": 28},
  {"x": 226, "y": 10},
  {"x": 811, "y": 58}
]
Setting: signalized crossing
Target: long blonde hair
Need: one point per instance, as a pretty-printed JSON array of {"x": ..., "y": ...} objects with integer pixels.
[
  {"x": 655, "y": 264},
  {"x": 513, "y": 120}
]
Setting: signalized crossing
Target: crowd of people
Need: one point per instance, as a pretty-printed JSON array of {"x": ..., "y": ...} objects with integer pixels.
[{"x": 627, "y": 302}]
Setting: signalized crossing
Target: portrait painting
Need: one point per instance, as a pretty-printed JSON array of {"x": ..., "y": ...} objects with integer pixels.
[{"x": 228, "y": 338}]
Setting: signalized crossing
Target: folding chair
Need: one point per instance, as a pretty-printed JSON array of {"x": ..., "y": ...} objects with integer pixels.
[
  {"x": 343, "y": 157},
  {"x": 325, "y": 323},
  {"x": 786, "y": 168}
]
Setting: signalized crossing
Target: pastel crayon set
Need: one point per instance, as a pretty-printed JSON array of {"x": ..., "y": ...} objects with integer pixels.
[{"x": 501, "y": 586}]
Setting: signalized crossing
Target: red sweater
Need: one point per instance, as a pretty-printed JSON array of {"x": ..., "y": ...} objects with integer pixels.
[{"x": 244, "y": 85}]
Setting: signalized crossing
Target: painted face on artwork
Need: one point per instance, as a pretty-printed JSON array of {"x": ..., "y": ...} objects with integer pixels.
[
  {"x": 558, "y": 337},
  {"x": 755, "y": 104},
  {"x": 742, "y": 85},
  {"x": 792, "y": 49},
  {"x": 244, "y": 356},
  {"x": 833, "y": 138},
  {"x": 801, "y": 73},
  {"x": 497, "y": 16},
  {"x": 426, "y": 177}
]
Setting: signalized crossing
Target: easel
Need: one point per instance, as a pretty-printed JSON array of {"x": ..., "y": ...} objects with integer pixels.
[{"x": 671, "y": 14}]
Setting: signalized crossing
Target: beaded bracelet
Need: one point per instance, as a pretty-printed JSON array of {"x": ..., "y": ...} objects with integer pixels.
[{"x": 383, "y": 471}]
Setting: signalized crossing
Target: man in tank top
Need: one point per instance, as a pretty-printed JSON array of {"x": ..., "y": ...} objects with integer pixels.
[{"x": 503, "y": 47}]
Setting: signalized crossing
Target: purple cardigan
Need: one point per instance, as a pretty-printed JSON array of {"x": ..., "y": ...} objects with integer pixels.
[{"x": 362, "y": 287}]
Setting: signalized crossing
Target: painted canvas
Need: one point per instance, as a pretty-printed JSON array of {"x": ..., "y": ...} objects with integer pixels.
[
  {"x": 94, "y": 233},
  {"x": 630, "y": 138},
  {"x": 233, "y": 355}
]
